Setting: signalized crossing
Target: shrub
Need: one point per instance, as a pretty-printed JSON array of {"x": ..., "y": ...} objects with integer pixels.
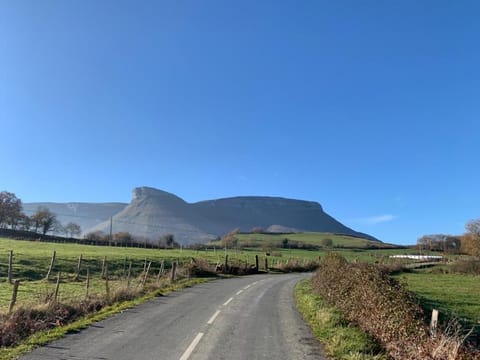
[
  {"x": 470, "y": 266},
  {"x": 383, "y": 307},
  {"x": 296, "y": 266}
]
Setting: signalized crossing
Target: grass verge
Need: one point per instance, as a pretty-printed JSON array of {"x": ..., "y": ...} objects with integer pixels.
[
  {"x": 341, "y": 340},
  {"x": 44, "y": 337}
]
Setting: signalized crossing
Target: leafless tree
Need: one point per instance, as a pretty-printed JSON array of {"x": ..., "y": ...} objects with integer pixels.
[
  {"x": 471, "y": 239},
  {"x": 45, "y": 220},
  {"x": 230, "y": 240},
  {"x": 10, "y": 210},
  {"x": 122, "y": 237},
  {"x": 73, "y": 229}
]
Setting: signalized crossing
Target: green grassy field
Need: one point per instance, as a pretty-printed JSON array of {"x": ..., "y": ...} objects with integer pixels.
[
  {"x": 312, "y": 238},
  {"x": 456, "y": 293},
  {"x": 452, "y": 294},
  {"x": 31, "y": 260}
]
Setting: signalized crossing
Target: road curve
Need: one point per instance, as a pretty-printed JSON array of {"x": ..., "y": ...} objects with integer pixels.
[{"x": 250, "y": 317}]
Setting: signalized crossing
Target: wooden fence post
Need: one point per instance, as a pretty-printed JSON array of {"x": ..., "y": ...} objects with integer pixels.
[
  {"x": 146, "y": 274},
  {"x": 87, "y": 287},
  {"x": 16, "y": 284},
  {"x": 79, "y": 267},
  {"x": 10, "y": 267},
  {"x": 225, "y": 269},
  {"x": 52, "y": 264},
  {"x": 174, "y": 272},
  {"x": 266, "y": 264},
  {"x": 145, "y": 264},
  {"x": 129, "y": 273},
  {"x": 104, "y": 264},
  {"x": 124, "y": 266},
  {"x": 256, "y": 263},
  {"x": 57, "y": 287},
  {"x": 434, "y": 322},
  {"x": 107, "y": 288},
  {"x": 162, "y": 269}
]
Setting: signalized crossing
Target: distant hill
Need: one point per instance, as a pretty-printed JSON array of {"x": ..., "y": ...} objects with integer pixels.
[
  {"x": 87, "y": 215},
  {"x": 309, "y": 238},
  {"x": 153, "y": 213}
]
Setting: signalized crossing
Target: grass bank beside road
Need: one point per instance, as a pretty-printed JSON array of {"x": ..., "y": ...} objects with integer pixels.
[{"x": 341, "y": 339}]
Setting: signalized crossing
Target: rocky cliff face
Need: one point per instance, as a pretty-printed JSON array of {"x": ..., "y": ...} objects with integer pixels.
[{"x": 153, "y": 212}]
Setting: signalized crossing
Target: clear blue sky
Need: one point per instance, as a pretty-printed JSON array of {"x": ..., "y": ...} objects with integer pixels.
[{"x": 369, "y": 107}]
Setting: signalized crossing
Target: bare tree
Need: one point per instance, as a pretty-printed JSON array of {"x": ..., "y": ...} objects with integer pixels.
[
  {"x": 96, "y": 236},
  {"x": 10, "y": 210},
  {"x": 473, "y": 227},
  {"x": 257, "y": 230},
  {"x": 471, "y": 239},
  {"x": 25, "y": 222},
  {"x": 326, "y": 242},
  {"x": 167, "y": 240},
  {"x": 230, "y": 240},
  {"x": 45, "y": 220},
  {"x": 73, "y": 229},
  {"x": 122, "y": 237}
]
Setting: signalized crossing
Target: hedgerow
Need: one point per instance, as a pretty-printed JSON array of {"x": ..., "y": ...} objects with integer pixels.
[{"x": 384, "y": 308}]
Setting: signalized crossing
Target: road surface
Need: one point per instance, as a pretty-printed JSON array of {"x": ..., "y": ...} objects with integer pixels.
[{"x": 252, "y": 317}]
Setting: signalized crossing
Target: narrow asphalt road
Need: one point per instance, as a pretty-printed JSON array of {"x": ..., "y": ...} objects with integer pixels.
[{"x": 251, "y": 317}]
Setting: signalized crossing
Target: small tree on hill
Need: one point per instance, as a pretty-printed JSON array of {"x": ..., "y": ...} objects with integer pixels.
[
  {"x": 95, "y": 236},
  {"x": 230, "y": 240},
  {"x": 326, "y": 242},
  {"x": 257, "y": 230},
  {"x": 471, "y": 240},
  {"x": 122, "y": 237},
  {"x": 167, "y": 241},
  {"x": 10, "y": 210},
  {"x": 73, "y": 229},
  {"x": 44, "y": 220}
]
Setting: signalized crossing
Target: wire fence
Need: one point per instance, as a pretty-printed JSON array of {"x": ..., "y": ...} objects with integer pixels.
[{"x": 67, "y": 279}]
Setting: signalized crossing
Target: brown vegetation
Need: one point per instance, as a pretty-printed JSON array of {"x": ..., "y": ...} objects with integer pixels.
[{"x": 384, "y": 308}]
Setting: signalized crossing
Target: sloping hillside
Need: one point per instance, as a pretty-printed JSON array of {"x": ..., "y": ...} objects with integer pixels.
[
  {"x": 87, "y": 215},
  {"x": 153, "y": 212}
]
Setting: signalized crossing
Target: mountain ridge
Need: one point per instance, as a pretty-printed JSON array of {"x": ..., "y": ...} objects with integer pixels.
[{"x": 153, "y": 212}]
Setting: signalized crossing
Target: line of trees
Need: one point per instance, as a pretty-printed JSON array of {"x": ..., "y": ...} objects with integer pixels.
[
  {"x": 43, "y": 221},
  {"x": 124, "y": 238},
  {"x": 468, "y": 243}
]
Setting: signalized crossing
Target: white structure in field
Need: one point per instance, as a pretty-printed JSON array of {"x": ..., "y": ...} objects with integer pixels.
[{"x": 418, "y": 257}]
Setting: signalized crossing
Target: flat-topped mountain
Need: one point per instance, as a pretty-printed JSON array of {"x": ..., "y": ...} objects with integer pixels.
[{"x": 152, "y": 213}]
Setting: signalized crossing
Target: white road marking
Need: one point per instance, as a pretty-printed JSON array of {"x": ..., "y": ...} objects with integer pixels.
[
  {"x": 212, "y": 319},
  {"x": 246, "y": 287},
  {"x": 227, "y": 302},
  {"x": 239, "y": 292},
  {"x": 191, "y": 347}
]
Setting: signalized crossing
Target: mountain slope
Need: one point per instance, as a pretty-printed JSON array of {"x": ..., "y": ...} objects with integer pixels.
[
  {"x": 153, "y": 212},
  {"x": 87, "y": 215}
]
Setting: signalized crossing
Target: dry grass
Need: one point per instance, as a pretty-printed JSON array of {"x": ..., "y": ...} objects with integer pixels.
[{"x": 384, "y": 308}]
